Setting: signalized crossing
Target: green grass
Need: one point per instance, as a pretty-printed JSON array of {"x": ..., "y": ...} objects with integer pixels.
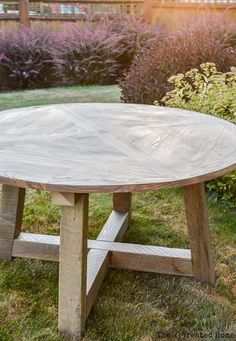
[
  {"x": 131, "y": 306},
  {"x": 93, "y": 93}
]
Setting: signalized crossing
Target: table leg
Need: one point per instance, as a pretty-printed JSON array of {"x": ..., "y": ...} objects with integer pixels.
[
  {"x": 197, "y": 221},
  {"x": 122, "y": 202},
  {"x": 11, "y": 214},
  {"x": 73, "y": 268}
]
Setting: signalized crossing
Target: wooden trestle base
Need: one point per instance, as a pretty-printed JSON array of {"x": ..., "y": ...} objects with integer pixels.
[{"x": 83, "y": 263}]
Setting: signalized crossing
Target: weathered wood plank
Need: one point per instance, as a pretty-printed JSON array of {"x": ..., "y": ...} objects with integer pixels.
[
  {"x": 24, "y": 12},
  {"x": 140, "y": 261},
  {"x": 115, "y": 227},
  {"x": 126, "y": 248},
  {"x": 40, "y": 246},
  {"x": 36, "y": 246},
  {"x": 11, "y": 213},
  {"x": 98, "y": 261},
  {"x": 148, "y": 6},
  {"x": 146, "y": 258},
  {"x": 73, "y": 268},
  {"x": 197, "y": 221},
  {"x": 122, "y": 202},
  {"x": 63, "y": 199},
  {"x": 122, "y": 255}
]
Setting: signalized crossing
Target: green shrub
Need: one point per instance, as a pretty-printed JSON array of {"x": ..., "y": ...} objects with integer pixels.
[{"x": 209, "y": 91}]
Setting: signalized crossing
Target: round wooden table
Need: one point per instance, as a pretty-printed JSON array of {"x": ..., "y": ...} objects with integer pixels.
[{"x": 72, "y": 150}]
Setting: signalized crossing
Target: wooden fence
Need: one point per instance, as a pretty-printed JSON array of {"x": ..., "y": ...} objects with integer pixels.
[
  {"x": 166, "y": 12},
  {"x": 173, "y": 13}
]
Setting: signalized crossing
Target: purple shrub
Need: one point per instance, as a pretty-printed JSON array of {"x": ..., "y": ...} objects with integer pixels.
[
  {"x": 205, "y": 40},
  {"x": 136, "y": 34},
  {"x": 87, "y": 54},
  {"x": 25, "y": 58},
  {"x": 97, "y": 51},
  {"x": 100, "y": 51}
]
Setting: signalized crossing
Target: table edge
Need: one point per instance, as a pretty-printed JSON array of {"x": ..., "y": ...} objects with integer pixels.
[{"x": 119, "y": 187}]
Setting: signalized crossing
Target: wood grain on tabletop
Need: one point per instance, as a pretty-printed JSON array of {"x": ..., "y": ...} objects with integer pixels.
[{"x": 96, "y": 147}]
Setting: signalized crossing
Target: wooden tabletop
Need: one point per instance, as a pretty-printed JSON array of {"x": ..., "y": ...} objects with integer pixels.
[{"x": 93, "y": 147}]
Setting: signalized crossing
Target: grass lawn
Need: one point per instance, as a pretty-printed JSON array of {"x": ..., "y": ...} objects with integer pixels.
[
  {"x": 91, "y": 93},
  {"x": 131, "y": 305}
]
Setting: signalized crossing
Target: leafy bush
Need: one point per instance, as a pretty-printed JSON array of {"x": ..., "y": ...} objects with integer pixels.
[
  {"x": 25, "y": 60},
  {"x": 206, "y": 90},
  {"x": 224, "y": 189},
  {"x": 209, "y": 91},
  {"x": 208, "y": 39}
]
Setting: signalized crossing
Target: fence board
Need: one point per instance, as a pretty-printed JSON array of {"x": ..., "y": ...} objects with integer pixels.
[{"x": 166, "y": 12}]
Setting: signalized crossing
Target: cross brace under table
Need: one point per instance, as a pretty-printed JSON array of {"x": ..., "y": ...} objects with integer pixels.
[{"x": 83, "y": 263}]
